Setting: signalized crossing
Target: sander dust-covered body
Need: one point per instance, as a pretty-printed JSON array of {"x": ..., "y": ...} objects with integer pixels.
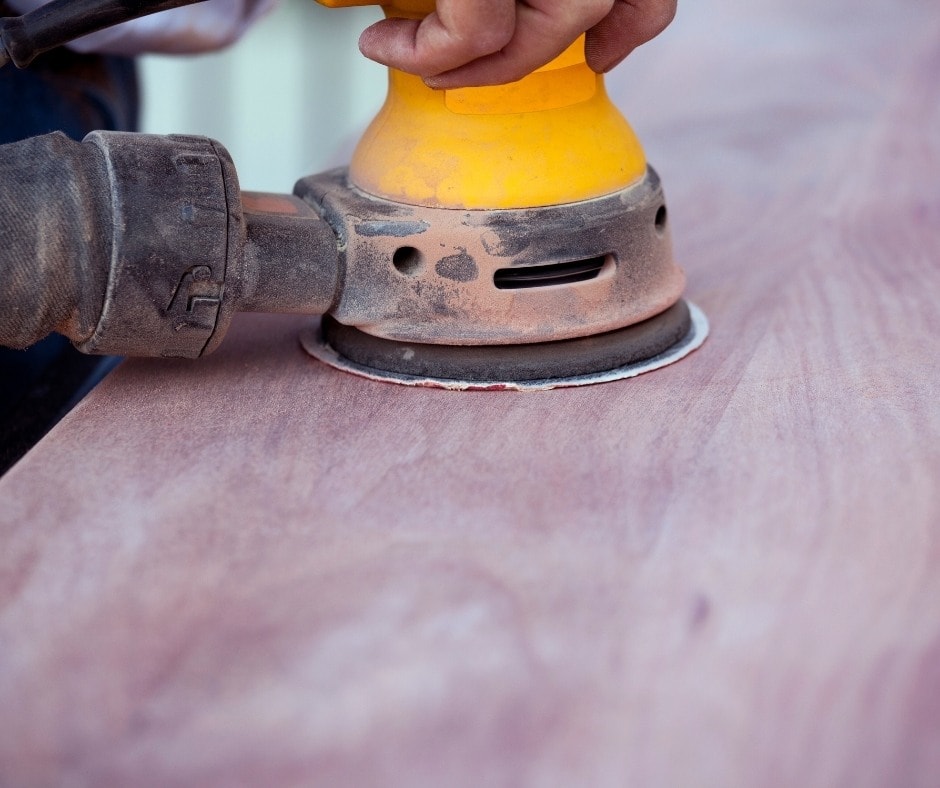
[{"x": 510, "y": 236}]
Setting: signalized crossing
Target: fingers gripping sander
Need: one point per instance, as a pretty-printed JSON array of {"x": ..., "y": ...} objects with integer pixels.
[{"x": 505, "y": 236}]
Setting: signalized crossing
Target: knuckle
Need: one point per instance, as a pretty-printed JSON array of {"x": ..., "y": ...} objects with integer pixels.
[
  {"x": 657, "y": 15},
  {"x": 594, "y": 10},
  {"x": 666, "y": 13},
  {"x": 474, "y": 46}
]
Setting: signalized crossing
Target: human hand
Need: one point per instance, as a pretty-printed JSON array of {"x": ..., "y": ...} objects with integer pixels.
[{"x": 490, "y": 42}]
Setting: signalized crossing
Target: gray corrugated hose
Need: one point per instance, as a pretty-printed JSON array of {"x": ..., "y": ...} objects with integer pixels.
[{"x": 54, "y": 200}]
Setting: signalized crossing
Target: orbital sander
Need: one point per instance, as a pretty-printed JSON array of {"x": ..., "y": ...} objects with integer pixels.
[
  {"x": 514, "y": 236},
  {"x": 508, "y": 236}
]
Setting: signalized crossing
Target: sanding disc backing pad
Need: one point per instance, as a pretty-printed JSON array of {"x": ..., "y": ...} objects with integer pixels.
[{"x": 602, "y": 358}]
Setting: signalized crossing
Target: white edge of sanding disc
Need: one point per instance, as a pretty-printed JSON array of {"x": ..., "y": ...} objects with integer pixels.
[{"x": 313, "y": 342}]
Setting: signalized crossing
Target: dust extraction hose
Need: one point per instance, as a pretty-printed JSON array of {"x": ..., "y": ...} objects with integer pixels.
[
  {"x": 53, "y": 202},
  {"x": 138, "y": 244}
]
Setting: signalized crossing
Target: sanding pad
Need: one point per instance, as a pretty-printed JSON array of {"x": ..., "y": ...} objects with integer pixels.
[{"x": 615, "y": 355}]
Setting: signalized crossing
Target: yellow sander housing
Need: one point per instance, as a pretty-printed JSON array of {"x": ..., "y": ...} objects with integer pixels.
[
  {"x": 504, "y": 236},
  {"x": 551, "y": 138}
]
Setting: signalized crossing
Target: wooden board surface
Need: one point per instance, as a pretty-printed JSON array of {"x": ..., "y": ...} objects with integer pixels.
[{"x": 256, "y": 570}]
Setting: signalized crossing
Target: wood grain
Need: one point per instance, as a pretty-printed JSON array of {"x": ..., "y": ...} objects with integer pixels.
[{"x": 255, "y": 570}]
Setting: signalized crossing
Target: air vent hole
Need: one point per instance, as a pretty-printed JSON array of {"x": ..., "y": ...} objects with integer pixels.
[
  {"x": 660, "y": 221},
  {"x": 407, "y": 260},
  {"x": 565, "y": 273}
]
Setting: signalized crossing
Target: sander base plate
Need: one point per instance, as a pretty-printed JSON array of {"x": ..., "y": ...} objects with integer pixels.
[{"x": 316, "y": 343}]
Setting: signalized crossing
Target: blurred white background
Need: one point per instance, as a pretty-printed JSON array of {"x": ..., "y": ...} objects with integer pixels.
[{"x": 290, "y": 99}]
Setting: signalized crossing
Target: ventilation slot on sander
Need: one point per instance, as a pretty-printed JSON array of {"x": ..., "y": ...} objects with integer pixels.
[{"x": 553, "y": 274}]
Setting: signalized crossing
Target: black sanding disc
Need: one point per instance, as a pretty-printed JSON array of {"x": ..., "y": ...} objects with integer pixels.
[{"x": 675, "y": 331}]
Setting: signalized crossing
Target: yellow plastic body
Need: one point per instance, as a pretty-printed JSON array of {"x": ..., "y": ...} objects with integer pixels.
[{"x": 551, "y": 138}]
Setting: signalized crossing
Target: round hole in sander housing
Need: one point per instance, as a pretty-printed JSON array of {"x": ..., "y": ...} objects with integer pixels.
[{"x": 613, "y": 355}]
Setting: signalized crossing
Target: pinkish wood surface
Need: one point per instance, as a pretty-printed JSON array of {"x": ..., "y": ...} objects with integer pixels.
[{"x": 255, "y": 570}]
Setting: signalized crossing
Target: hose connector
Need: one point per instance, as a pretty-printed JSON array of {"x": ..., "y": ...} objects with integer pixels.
[
  {"x": 143, "y": 245},
  {"x": 177, "y": 234}
]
